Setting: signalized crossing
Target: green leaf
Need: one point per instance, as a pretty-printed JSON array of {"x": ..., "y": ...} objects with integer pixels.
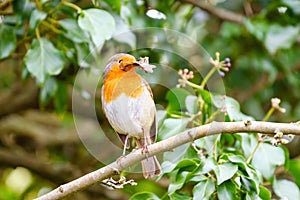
[
  {"x": 232, "y": 107},
  {"x": 294, "y": 5},
  {"x": 226, "y": 190},
  {"x": 48, "y": 91},
  {"x": 286, "y": 189},
  {"x": 207, "y": 143},
  {"x": 203, "y": 190},
  {"x": 171, "y": 127},
  {"x": 8, "y": 41},
  {"x": 209, "y": 165},
  {"x": 98, "y": 23},
  {"x": 176, "y": 98},
  {"x": 179, "y": 196},
  {"x": 280, "y": 37},
  {"x": 266, "y": 158},
  {"x": 264, "y": 193},
  {"x": 43, "y": 59},
  {"x": 179, "y": 182},
  {"x": 61, "y": 96},
  {"x": 191, "y": 104},
  {"x": 206, "y": 96},
  {"x": 249, "y": 184},
  {"x": 249, "y": 142},
  {"x": 114, "y": 4},
  {"x": 144, "y": 196},
  {"x": 294, "y": 169},
  {"x": 73, "y": 31},
  {"x": 35, "y": 18},
  {"x": 225, "y": 171}
]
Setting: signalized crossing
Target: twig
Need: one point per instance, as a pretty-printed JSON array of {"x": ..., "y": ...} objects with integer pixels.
[
  {"x": 218, "y": 12},
  {"x": 167, "y": 145}
]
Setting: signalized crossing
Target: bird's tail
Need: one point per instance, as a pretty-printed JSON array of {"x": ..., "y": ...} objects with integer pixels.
[{"x": 151, "y": 167}]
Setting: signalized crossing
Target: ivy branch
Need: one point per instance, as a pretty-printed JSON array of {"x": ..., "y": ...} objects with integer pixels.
[{"x": 167, "y": 145}]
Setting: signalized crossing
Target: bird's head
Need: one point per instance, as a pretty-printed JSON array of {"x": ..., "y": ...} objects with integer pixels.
[{"x": 122, "y": 62}]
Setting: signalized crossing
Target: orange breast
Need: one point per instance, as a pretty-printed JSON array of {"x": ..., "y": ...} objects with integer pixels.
[{"x": 120, "y": 82}]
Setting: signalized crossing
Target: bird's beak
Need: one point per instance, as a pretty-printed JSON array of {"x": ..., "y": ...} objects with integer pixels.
[{"x": 145, "y": 66}]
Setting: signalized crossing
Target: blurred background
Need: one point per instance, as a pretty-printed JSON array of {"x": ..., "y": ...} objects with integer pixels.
[{"x": 52, "y": 57}]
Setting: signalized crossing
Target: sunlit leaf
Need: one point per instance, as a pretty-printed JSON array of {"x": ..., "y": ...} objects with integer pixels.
[
  {"x": 286, "y": 189},
  {"x": 264, "y": 193},
  {"x": 98, "y": 23},
  {"x": 203, "y": 190},
  {"x": 226, "y": 190},
  {"x": 225, "y": 171},
  {"x": 43, "y": 59},
  {"x": 191, "y": 103},
  {"x": 35, "y": 17},
  {"x": 266, "y": 158},
  {"x": 171, "y": 127},
  {"x": 73, "y": 31}
]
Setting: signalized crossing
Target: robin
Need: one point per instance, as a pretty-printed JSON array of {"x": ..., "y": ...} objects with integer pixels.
[{"x": 127, "y": 101}]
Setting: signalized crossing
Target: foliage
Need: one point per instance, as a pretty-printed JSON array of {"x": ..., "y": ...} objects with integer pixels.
[{"x": 55, "y": 39}]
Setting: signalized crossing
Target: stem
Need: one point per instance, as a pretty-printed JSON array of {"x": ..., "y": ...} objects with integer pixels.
[
  {"x": 215, "y": 147},
  {"x": 253, "y": 152},
  {"x": 50, "y": 26},
  {"x": 211, "y": 118},
  {"x": 71, "y": 5},
  {"x": 210, "y": 73},
  {"x": 266, "y": 117},
  {"x": 37, "y": 32},
  {"x": 193, "y": 84}
]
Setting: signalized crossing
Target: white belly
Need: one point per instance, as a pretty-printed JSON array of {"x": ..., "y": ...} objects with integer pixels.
[{"x": 131, "y": 116}]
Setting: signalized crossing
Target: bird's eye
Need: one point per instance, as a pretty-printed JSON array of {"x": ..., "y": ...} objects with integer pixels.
[{"x": 120, "y": 61}]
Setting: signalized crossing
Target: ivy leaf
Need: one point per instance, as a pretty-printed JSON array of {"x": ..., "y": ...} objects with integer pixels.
[
  {"x": 266, "y": 158},
  {"x": 144, "y": 195},
  {"x": 286, "y": 189},
  {"x": 225, "y": 172},
  {"x": 171, "y": 127},
  {"x": 48, "y": 91},
  {"x": 179, "y": 196},
  {"x": 264, "y": 193},
  {"x": 226, "y": 190},
  {"x": 179, "y": 182},
  {"x": 279, "y": 37},
  {"x": 98, "y": 23},
  {"x": 73, "y": 31},
  {"x": 61, "y": 96},
  {"x": 203, "y": 190},
  {"x": 191, "y": 103},
  {"x": 8, "y": 41},
  {"x": 35, "y": 17},
  {"x": 176, "y": 98},
  {"x": 43, "y": 59},
  {"x": 294, "y": 169},
  {"x": 232, "y": 107}
]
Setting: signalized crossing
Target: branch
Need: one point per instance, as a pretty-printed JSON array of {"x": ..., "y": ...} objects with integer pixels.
[
  {"x": 167, "y": 145},
  {"x": 218, "y": 12}
]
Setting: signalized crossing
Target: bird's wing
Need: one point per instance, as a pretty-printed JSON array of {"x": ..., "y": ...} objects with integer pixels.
[{"x": 153, "y": 128}]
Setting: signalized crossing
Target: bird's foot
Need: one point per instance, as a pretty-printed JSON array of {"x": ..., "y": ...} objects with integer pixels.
[{"x": 145, "y": 149}]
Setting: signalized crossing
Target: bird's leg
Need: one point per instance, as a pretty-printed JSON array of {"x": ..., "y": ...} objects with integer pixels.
[
  {"x": 125, "y": 146},
  {"x": 124, "y": 149},
  {"x": 145, "y": 145}
]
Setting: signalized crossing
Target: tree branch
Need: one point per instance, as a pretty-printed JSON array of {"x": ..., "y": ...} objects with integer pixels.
[
  {"x": 218, "y": 12},
  {"x": 167, "y": 145}
]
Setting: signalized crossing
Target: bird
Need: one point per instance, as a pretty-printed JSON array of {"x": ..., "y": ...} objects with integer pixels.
[{"x": 127, "y": 101}]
